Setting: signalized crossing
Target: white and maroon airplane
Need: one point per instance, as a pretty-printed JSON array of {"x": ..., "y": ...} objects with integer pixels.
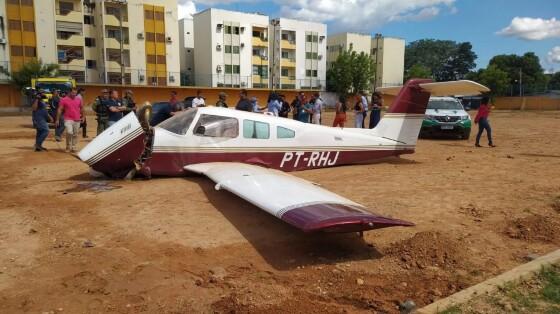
[{"x": 249, "y": 153}]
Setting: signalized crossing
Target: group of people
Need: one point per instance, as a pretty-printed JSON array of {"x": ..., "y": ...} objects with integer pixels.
[
  {"x": 109, "y": 108},
  {"x": 66, "y": 111}
]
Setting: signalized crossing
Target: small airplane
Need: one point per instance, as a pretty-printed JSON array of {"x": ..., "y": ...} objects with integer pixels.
[{"x": 249, "y": 154}]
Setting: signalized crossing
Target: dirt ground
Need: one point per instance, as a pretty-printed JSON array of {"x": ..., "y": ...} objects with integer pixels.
[{"x": 70, "y": 243}]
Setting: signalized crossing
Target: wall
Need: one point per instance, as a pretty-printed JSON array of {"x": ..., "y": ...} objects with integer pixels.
[
  {"x": 4, "y": 48},
  {"x": 45, "y": 29},
  {"x": 186, "y": 46},
  {"x": 393, "y": 61}
]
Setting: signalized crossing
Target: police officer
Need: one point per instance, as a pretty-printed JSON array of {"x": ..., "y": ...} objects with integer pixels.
[
  {"x": 102, "y": 111},
  {"x": 128, "y": 101}
]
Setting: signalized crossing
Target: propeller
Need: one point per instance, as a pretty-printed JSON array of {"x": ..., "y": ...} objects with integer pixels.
[{"x": 144, "y": 115}]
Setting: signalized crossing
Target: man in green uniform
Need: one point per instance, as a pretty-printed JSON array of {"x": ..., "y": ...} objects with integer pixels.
[
  {"x": 222, "y": 100},
  {"x": 102, "y": 111}
]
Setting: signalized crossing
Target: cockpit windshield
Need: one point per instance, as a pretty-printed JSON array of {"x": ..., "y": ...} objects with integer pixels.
[{"x": 179, "y": 123}]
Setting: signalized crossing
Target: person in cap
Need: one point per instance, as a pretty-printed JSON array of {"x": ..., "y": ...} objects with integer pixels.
[
  {"x": 128, "y": 101},
  {"x": 101, "y": 109},
  {"x": 222, "y": 100}
]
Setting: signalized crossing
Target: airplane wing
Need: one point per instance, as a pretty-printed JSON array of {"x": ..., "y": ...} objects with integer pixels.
[
  {"x": 463, "y": 87},
  {"x": 298, "y": 202}
]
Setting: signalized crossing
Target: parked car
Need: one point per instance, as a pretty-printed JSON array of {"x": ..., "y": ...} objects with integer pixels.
[{"x": 446, "y": 116}]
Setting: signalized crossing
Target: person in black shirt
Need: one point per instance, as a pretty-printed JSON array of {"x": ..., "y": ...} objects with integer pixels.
[
  {"x": 297, "y": 104},
  {"x": 55, "y": 99},
  {"x": 285, "y": 107},
  {"x": 244, "y": 104}
]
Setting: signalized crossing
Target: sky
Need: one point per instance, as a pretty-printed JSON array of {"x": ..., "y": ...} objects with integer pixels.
[{"x": 492, "y": 26}]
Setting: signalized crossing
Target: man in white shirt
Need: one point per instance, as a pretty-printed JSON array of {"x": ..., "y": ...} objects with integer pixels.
[
  {"x": 317, "y": 108},
  {"x": 365, "y": 105},
  {"x": 198, "y": 101}
]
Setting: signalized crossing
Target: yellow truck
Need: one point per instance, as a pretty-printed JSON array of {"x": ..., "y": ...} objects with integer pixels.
[{"x": 48, "y": 84}]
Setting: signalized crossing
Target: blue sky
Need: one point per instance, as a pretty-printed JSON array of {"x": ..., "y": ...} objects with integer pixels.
[{"x": 492, "y": 26}]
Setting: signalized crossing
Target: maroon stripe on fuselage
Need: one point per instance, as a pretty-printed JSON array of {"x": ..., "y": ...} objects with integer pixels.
[
  {"x": 172, "y": 163},
  {"x": 121, "y": 160},
  {"x": 338, "y": 218}
]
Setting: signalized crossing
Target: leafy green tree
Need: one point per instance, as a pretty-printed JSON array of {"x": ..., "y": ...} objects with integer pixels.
[
  {"x": 554, "y": 83},
  {"x": 527, "y": 68},
  {"x": 32, "y": 69},
  {"x": 447, "y": 60},
  {"x": 495, "y": 79},
  {"x": 363, "y": 71},
  {"x": 418, "y": 71},
  {"x": 350, "y": 72}
]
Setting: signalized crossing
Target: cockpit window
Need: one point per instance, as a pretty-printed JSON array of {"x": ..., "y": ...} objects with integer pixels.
[
  {"x": 282, "y": 132},
  {"x": 255, "y": 129},
  {"x": 179, "y": 123},
  {"x": 216, "y": 126}
]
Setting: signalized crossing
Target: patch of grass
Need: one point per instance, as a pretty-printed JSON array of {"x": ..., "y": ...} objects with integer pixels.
[
  {"x": 452, "y": 310},
  {"x": 550, "y": 276}
]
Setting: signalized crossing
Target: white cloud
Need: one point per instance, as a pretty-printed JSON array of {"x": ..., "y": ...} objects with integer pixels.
[
  {"x": 186, "y": 9},
  {"x": 344, "y": 15},
  {"x": 553, "y": 55},
  {"x": 363, "y": 15},
  {"x": 532, "y": 28}
]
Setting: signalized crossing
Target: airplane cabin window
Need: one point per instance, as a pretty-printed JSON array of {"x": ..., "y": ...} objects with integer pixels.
[
  {"x": 256, "y": 129},
  {"x": 282, "y": 132},
  {"x": 216, "y": 126},
  {"x": 179, "y": 123}
]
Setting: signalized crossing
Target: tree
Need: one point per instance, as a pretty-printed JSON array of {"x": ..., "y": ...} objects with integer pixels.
[
  {"x": 32, "y": 69},
  {"x": 554, "y": 83},
  {"x": 418, "y": 71},
  {"x": 446, "y": 59},
  {"x": 526, "y": 67},
  {"x": 350, "y": 72},
  {"x": 495, "y": 79}
]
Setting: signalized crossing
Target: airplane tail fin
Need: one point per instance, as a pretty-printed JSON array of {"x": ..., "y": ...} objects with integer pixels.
[{"x": 403, "y": 120}]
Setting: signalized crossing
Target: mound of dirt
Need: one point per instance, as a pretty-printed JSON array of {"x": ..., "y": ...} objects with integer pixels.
[
  {"x": 428, "y": 249},
  {"x": 535, "y": 228}
]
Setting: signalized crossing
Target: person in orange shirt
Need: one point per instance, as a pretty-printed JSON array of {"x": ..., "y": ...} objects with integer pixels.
[{"x": 340, "y": 117}]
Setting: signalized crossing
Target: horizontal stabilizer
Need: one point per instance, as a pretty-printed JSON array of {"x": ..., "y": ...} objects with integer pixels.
[{"x": 452, "y": 88}]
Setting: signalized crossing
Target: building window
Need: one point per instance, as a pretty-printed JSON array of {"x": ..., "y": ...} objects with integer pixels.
[
  {"x": 28, "y": 26},
  {"x": 285, "y": 72},
  {"x": 161, "y": 59},
  {"x": 14, "y": 25},
  {"x": 158, "y": 16},
  {"x": 148, "y": 15},
  {"x": 235, "y": 69},
  {"x": 16, "y": 2},
  {"x": 311, "y": 55},
  {"x": 65, "y": 7},
  {"x": 116, "y": 34},
  {"x": 16, "y": 51},
  {"x": 89, "y": 19},
  {"x": 260, "y": 70},
  {"x": 235, "y": 49},
  {"x": 227, "y": 49},
  {"x": 151, "y": 59},
  {"x": 228, "y": 29},
  {"x": 227, "y": 69},
  {"x": 311, "y": 73},
  {"x": 150, "y": 36},
  {"x": 90, "y": 42},
  {"x": 236, "y": 30},
  {"x": 91, "y": 64},
  {"x": 160, "y": 38},
  {"x": 256, "y": 129},
  {"x": 116, "y": 12}
]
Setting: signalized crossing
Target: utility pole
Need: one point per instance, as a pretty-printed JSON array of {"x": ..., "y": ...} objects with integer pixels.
[{"x": 520, "y": 82}]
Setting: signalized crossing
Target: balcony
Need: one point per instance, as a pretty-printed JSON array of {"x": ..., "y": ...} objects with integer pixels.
[
  {"x": 71, "y": 55},
  {"x": 70, "y": 40},
  {"x": 113, "y": 20},
  {"x": 288, "y": 80},
  {"x": 69, "y": 16},
  {"x": 288, "y": 63},
  {"x": 257, "y": 60},
  {"x": 259, "y": 42},
  {"x": 113, "y": 43},
  {"x": 288, "y": 44}
]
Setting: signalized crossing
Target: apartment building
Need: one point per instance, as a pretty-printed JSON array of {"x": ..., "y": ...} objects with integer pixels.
[
  {"x": 231, "y": 49},
  {"x": 186, "y": 50},
  {"x": 387, "y": 53},
  {"x": 95, "y": 41},
  {"x": 299, "y": 54}
]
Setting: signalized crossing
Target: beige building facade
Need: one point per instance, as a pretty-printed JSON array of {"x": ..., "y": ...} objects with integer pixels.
[
  {"x": 96, "y": 41},
  {"x": 387, "y": 53}
]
